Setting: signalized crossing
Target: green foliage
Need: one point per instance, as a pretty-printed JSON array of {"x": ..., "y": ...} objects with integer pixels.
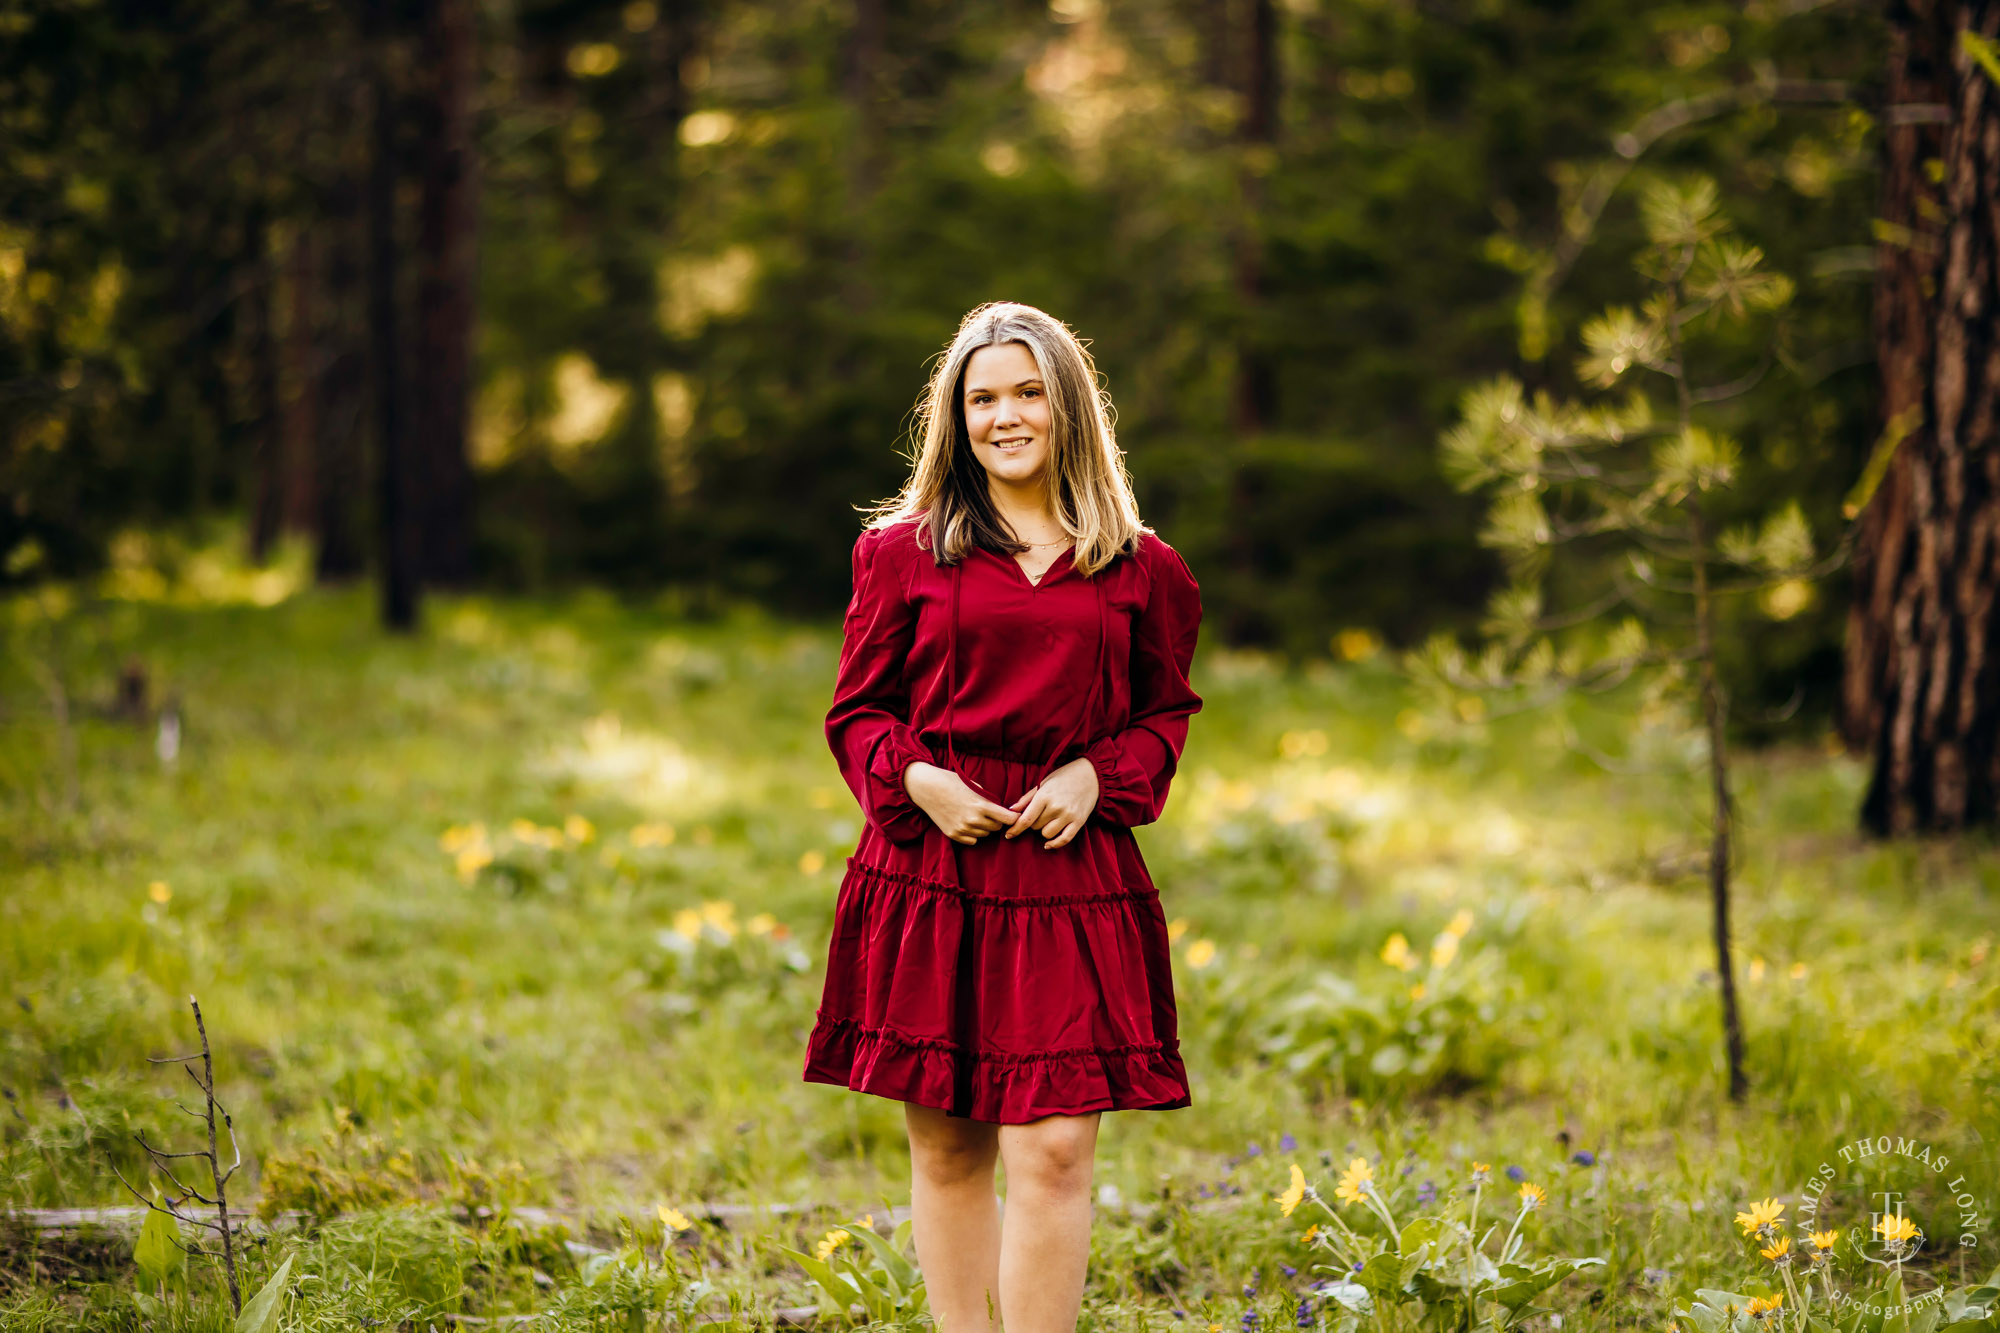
[
  {"x": 1637, "y": 479},
  {"x": 675, "y": 394},
  {"x": 860, "y": 1278},
  {"x": 1433, "y": 1271},
  {"x": 159, "y": 1252},
  {"x": 345, "y": 963},
  {"x": 262, "y": 1312}
]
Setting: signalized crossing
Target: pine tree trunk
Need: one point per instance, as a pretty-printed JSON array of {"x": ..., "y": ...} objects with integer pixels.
[
  {"x": 1922, "y": 687},
  {"x": 445, "y": 293},
  {"x": 301, "y": 364},
  {"x": 260, "y": 303},
  {"x": 396, "y": 462},
  {"x": 341, "y": 391}
]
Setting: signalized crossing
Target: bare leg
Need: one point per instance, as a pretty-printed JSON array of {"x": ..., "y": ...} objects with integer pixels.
[
  {"x": 1045, "y": 1242},
  {"x": 955, "y": 1217}
]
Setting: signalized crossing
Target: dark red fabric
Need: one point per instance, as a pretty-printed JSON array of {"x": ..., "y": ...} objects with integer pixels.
[{"x": 1003, "y": 981}]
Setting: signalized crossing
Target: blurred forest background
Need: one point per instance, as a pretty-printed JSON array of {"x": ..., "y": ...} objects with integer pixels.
[{"x": 525, "y": 293}]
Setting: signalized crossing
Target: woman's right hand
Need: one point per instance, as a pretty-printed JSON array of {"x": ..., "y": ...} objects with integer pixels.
[{"x": 960, "y": 812}]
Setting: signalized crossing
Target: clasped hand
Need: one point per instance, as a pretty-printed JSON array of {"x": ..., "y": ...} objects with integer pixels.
[{"x": 1058, "y": 806}]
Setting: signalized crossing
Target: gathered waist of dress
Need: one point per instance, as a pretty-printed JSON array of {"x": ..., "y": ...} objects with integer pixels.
[{"x": 1026, "y": 760}]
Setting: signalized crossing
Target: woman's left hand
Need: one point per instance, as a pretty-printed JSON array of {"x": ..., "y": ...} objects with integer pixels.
[{"x": 1059, "y": 805}]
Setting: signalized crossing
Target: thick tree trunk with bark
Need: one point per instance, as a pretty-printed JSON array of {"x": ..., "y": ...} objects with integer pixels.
[
  {"x": 445, "y": 293},
  {"x": 1922, "y": 686}
]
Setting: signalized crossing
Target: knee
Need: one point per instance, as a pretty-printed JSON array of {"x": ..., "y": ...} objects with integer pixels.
[
  {"x": 952, "y": 1159},
  {"x": 1057, "y": 1160}
]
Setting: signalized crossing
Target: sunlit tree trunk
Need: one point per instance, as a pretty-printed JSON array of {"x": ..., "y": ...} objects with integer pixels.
[{"x": 1922, "y": 687}]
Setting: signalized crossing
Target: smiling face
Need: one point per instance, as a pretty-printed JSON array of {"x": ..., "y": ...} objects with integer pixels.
[{"x": 1007, "y": 414}]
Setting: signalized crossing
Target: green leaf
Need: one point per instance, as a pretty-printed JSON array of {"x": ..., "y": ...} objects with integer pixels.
[
  {"x": 1382, "y": 1276},
  {"x": 261, "y": 1314},
  {"x": 1522, "y": 1284},
  {"x": 1425, "y": 1231},
  {"x": 893, "y": 1263},
  {"x": 159, "y": 1253},
  {"x": 838, "y": 1291},
  {"x": 152, "y": 1307}
]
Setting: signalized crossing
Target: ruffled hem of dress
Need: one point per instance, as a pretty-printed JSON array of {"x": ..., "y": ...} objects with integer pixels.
[{"x": 993, "y": 1086}]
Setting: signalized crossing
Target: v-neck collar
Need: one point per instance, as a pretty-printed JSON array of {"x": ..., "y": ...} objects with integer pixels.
[{"x": 1066, "y": 554}]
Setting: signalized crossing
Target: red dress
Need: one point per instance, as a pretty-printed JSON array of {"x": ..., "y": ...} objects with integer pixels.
[{"x": 1002, "y": 981}]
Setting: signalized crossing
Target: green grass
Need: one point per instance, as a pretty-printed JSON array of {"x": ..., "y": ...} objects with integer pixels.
[{"x": 539, "y": 1023}]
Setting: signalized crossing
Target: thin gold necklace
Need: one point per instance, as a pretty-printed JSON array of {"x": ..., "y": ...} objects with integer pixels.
[{"x": 1064, "y": 542}]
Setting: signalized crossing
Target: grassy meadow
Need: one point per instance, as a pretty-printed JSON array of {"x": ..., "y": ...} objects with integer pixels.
[{"x": 529, "y": 911}]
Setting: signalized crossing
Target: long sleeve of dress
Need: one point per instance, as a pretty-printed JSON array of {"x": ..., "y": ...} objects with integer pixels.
[
  {"x": 1136, "y": 766},
  {"x": 868, "y": 726}
]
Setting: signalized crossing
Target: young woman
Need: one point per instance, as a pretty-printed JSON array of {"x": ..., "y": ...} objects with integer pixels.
[{"x": 1012, "y": 700}]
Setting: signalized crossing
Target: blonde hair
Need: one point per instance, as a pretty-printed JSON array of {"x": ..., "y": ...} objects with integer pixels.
[{"x": 1089, "y": 490}]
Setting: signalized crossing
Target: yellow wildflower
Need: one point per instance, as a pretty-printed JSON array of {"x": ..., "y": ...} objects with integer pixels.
[
  {"x": 1396, "y": 952},
  {"x": 1762, "y": 1214},
  {"x": 471, "y": 860},
  {"x": 1533, "y": 1196},
  {"x": 1763, "y": 1308},
  {"x": 1200, "y": 954},
  {"x": 1353, "y": 1186},
  {"x": 1896, "y": 1229},
  {"x": 1825, "y": 1240},
  {"x": 687, "y": 924},
  {"x": 1460, "y": 923},
  {"x": 1295, "y": 1192},
  {"x": 652, "y": 835},
  {"x": 1176, "y": 928},
  {"x": 1443, "y": 949},
  {"x": 159, "y": 891},
  {"x": 812, "y": 862},
  {"x": 578, "y": 829},
  {"x": 1481, "y": 1173},
  {"x": 1778, "y": 1251},
  {"x": 1312, "y": 1234},
  {"x": 1417, "y": 991},
  {"x": 761, "y": 924},
  {"x": 675, "y": 1219},
  {"x": 721, "y": 915},
  {"x": 832, "y": 1241}
]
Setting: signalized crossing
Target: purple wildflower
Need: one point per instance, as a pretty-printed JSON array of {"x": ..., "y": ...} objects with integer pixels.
[
  {"x": 1306, "y": 1319},
  {"x": 1408, "y": 1167},
  {"x": 1286, "y": 1143},
  {"x": 1254, "y": 1151},
  {"x": 1288, "y": 1270},
  {"x": 1517, "y": 1174},
  {"x": 1427, "y": 1193},
  {"x": 1249, "y": 1320},
  {"x": 1584, "y": 1157}
]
